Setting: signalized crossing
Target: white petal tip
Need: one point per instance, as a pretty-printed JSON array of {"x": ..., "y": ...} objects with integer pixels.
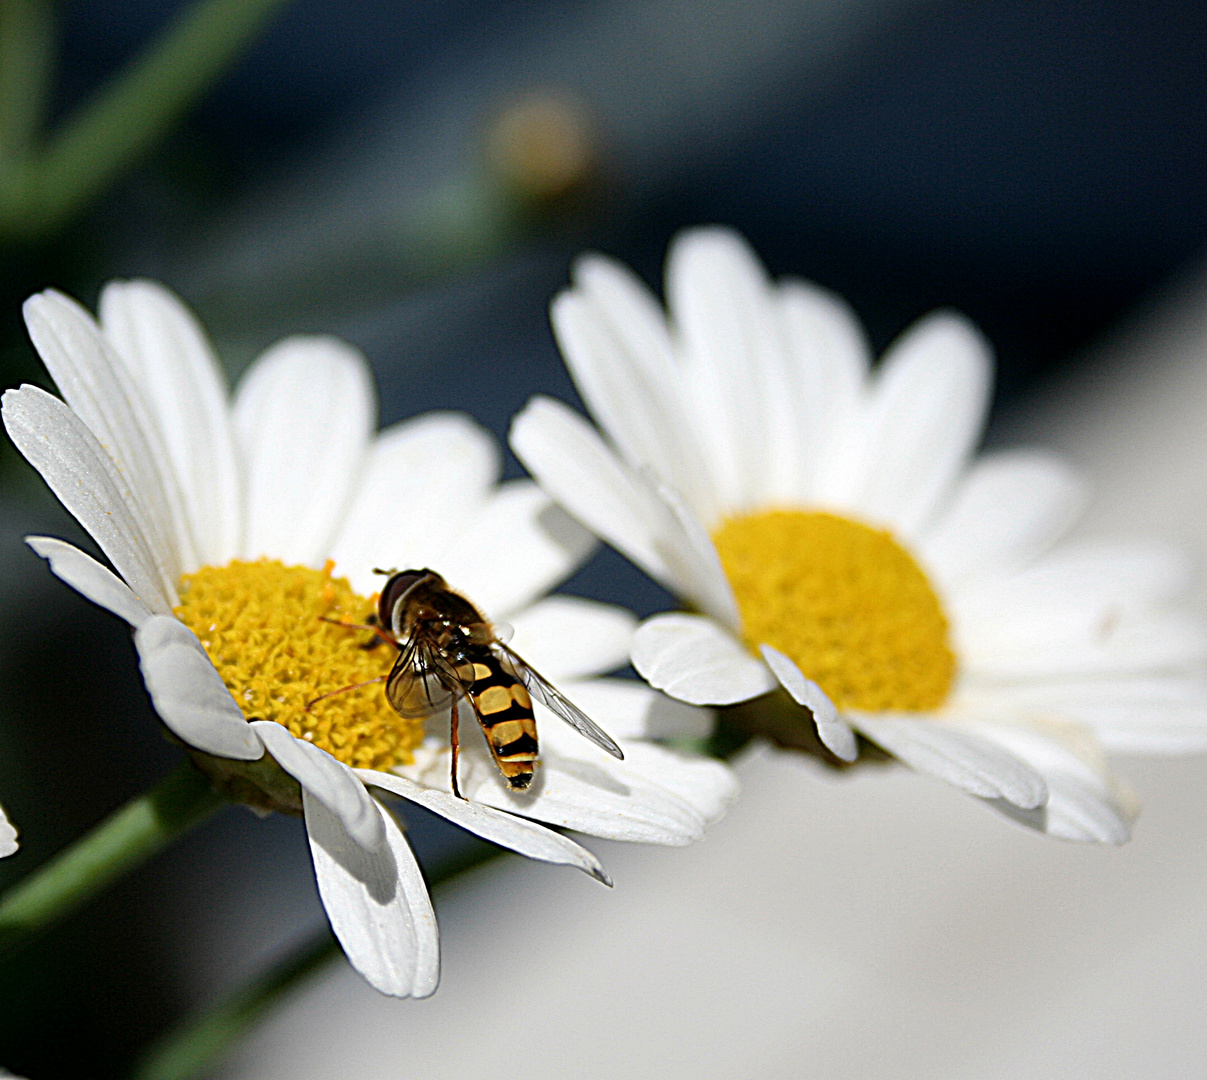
[
  {"x": 834, "y": 732},
  {"x": 840, "y": 740}
]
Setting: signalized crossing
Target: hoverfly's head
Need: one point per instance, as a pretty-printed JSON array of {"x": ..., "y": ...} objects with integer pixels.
[{"x": 398, "y": 589}]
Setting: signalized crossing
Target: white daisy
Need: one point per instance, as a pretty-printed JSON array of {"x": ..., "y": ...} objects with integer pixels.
[
  {"x": 831, "y": 534},
  {"x": 218, "y": 516}
]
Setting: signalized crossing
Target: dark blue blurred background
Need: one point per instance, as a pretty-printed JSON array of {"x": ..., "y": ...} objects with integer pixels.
[{"x": 1039, "y": 165}]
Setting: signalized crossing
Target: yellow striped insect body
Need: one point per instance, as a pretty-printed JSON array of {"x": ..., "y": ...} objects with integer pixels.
[{"x": 449, "y": 652}]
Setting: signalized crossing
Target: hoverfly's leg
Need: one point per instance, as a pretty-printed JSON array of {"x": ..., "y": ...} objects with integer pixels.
[
  {"x": 344, "y": 690},
  {"x": 455, "y": 744},
  {"x": 379, "y": 634}
]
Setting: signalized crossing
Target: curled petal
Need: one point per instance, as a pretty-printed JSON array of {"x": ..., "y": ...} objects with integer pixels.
[
  {"x": 84, "y": 574},
  {"x": 834, "y": 732},
  {"x": 330, "y": 782},
  {"x": 188, "y": 693},
  {"x": 83, "y": 476}
]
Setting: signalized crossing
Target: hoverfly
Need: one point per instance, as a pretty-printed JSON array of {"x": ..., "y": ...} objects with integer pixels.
[{"x": 448, "y": 651}]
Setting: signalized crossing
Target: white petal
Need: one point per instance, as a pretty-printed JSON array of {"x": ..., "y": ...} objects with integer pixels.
[
  {"x": 1080, "y": 609},
  {"x": 693, "y": 559},
  {"x": 84, "y": 574},
  {"x": 834, "y": 732},
  {"x": 1081, "y": 804},
  {"x": 8, "y": 836},
  {"x": 624, "y": 370},
  {"x": 565, "y": 637},
  {"x": 639, "y": 517},
  {"x": 925, "y": 413},
  {"x": 188, "y": 693},
  {"x": 1075, "y": 811},
  {"x": 725, "y": 328},
  {"x": 957, "y": 756},
  {"x": 517, "y": 834},
  {"x": 329, "y": 781},
  {"x": 830, "y": 359},
  {"x": 304, "y": 414},
  {"x": 377, "y": 902},
  {"x": 57, "y": 443},
  {"x": 633, "y": 314},
  {"x": 591, "y": 793},
  {"x": 628, "y": 709},
  {"x": 1008, "y": 510},
  {"x": 424, "y": 480},
  {"x": 695, "y": 660},
  {"x": 1163, "y": 642},
  {"x": 570, "y": 461},
  {"x": 1102, "y": 579},
  {"x": 100, "y": 391},
  {"x": 168, "y": 356},
  {"x": 706, "y": 785},
  {"x": 517, "y": 547},
  {"x": 1127, "y": 716}
]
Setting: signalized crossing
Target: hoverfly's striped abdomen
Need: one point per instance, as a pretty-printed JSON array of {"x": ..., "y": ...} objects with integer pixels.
[{"x": 504, "y": 710}]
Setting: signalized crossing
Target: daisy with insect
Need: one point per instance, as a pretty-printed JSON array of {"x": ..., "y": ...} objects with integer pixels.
[
  {"x": 857, "y": 581},
  {"x": 245, "y": 534}
]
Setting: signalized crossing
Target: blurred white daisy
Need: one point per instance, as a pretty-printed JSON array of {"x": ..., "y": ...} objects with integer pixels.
[
  {"x": 831, "y": 533},
  {"x": 9, "y": 842},
  {"x": 237, "y": 526}
]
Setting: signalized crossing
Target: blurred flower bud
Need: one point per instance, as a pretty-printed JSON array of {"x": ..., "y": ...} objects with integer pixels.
[{"x": 543, "y": 147}]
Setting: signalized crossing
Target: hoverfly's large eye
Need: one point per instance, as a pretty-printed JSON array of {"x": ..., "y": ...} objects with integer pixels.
[{"x": 395, "y": 589}]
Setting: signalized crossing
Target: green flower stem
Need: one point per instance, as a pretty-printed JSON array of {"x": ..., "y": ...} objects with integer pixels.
[
  {"x": 130, "y": 112},
  {"x": 123, "y": 841},
  {"x": 200, "y": 1041}
]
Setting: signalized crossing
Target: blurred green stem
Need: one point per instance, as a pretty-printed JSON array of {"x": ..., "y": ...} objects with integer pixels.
[
  {"x": 200, "y": 1041},
  {"x": 123, "y": 841},
  {"x": 26, "y": 46},
  {"x": 42, "y": 190}
]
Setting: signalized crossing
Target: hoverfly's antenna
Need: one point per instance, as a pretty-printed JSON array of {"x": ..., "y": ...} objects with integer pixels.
[
  {"x": 385, "y": 573},
  {"x": 343, "y": 690}
]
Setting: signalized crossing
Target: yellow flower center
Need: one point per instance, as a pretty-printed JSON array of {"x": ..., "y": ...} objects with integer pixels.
[
  {"x": 263, "y": 625},
  {"x": 846, "y": 602}
]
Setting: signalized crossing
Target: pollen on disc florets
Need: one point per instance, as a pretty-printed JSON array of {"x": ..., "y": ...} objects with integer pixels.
[
  {"x": 846, "y": 602},
  {"x": 263, "y": 625}
]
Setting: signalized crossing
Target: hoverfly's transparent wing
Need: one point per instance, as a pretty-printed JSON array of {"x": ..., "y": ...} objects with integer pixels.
[
  {"x": 551, "y": 697},
  {"x": 419, "y": 685}
]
